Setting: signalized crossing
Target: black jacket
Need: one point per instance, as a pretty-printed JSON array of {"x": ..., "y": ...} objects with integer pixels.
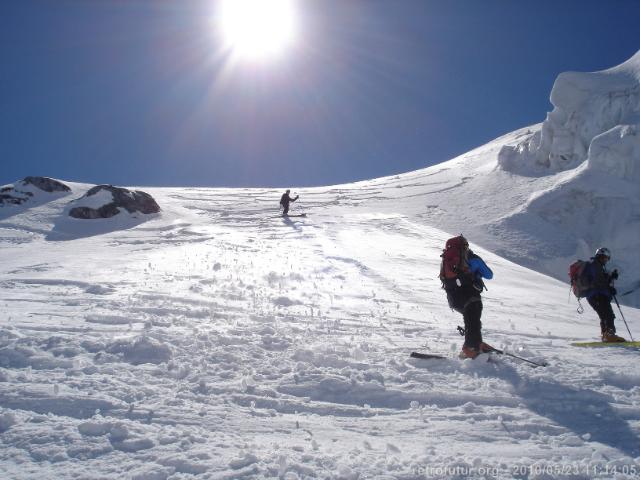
[
  {"x": 286, "y": 199},
  {"x": 599, "y": 279}
]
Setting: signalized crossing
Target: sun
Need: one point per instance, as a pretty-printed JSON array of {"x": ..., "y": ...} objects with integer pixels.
[{"x": 257, "y": 29}]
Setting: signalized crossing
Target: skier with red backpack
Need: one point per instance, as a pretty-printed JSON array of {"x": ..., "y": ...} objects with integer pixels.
[
  {"x": 601, "y": 291},
  {"x": 461, "y": 273}
]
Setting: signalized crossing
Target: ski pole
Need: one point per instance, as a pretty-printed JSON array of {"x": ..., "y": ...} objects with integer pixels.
[
  {"x": 624, "y": 319},
  {"x": 461, "y": 331},
  {"x": 502, "y": 352}
]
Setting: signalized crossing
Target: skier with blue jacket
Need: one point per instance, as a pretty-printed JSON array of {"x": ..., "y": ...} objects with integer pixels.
[
  {"x": 463, "y": 295},
  {"x": 601, "y": 292}
]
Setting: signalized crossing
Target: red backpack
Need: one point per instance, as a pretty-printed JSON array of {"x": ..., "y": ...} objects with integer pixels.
[
  {"x": 453, "y": 262},
  {"x": 579, "y": 283}
]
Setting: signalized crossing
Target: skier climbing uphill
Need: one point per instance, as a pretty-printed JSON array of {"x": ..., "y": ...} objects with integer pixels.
[
  {"x": 600, "y": 293},
  {"x": 461, "y": 273},
  {"x": 285, "y": 200}
]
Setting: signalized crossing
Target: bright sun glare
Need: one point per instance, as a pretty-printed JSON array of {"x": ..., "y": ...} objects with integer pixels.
[{"x": 257, "y": 29}]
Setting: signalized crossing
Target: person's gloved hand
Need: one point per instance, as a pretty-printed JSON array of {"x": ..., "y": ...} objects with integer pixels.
[
  {"x": 614, "y": 275},
  {"x": 613, "y": 291}
]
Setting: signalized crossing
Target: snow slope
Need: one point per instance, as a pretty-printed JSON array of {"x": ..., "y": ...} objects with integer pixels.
[{"x": 220, "y": 340}]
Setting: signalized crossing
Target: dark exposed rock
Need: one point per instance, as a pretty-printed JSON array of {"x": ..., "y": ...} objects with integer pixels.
[
  {"x": 14, "y": 195},
  {"x": 87, "y": 213},
  {"x": 131, "y": 201},
  {"x": 47, "y": 184},
  {"x": 6, "y": 199}
]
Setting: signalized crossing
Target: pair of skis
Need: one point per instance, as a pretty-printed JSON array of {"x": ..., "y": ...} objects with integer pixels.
[{"x": 431, "y": 356}]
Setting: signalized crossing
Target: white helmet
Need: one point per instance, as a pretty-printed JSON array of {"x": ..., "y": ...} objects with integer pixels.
[{"x": 603, "y": 252}]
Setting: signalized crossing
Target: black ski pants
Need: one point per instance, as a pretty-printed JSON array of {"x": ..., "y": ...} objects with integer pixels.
[
  {"x": 602, "y": 305},
  {"x": 472, "y": 324},
  {"x": 471, "y": 309}
]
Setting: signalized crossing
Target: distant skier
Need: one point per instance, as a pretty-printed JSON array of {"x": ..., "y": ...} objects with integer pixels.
[
  {"x": 461, "y": 273},
  {"x": 285, "y": 200},
  {"x": 601, "y": 291}
]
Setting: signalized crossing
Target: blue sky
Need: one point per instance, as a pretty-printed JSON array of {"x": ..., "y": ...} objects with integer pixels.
[{"x": 143, "y": 93}]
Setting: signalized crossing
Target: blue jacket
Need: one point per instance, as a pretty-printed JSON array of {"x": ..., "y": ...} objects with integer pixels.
[
  {"x": 467, "y": 288},
  {"x": 478, "y": 268}
]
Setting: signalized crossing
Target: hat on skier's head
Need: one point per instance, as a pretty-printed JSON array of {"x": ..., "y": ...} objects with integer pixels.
[
  {"x": 603, "y": 252},
  {"x": 288, "y": 190}
]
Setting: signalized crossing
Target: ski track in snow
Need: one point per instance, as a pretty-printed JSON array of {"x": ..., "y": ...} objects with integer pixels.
[{"x": 220, "y": 340}]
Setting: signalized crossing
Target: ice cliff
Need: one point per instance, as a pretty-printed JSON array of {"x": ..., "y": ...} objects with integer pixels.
[{"x": 595, "y": 119}]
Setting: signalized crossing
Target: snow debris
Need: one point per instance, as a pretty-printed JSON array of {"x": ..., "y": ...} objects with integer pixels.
[
  {"x": 244, "y": 461},
  {"x": 7, "y": 419},
  {"x": 94, "y": 429},
  {"x": 141, "y": 350}
]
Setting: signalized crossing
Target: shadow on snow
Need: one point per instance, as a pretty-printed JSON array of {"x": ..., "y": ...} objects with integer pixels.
[{"x": 582, "y": 411}]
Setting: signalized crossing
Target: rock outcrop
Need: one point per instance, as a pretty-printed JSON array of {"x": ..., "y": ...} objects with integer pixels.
[
  {"x": 105, "y": 201},
  {"x": 46, "y": 184},
  {"x": 29, "y": 187}
]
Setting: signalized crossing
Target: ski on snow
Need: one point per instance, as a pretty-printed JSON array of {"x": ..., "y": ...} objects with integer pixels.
[
  {"x": 607, "y": 344},
  {"x": 487, "y": 356},
  {"x": 427, "y": 356},
  {"x": 430, "y": 356}
]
